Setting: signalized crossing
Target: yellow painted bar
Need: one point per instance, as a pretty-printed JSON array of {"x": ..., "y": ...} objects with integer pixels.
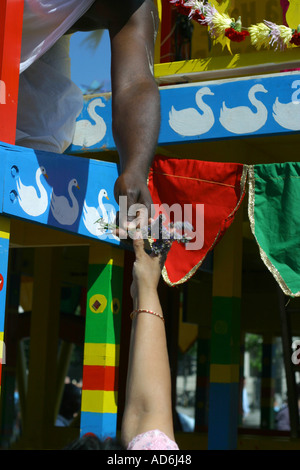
[
  {"x": 224, "y": 373},
  {"x": 228, "y": 261},
  {"x": 101, "y": 354},
  {"x": 235, "y": 61},
  {"x": 99, "y": 401},
  {"x": 109, "y": 255},
  {"x": 158, "y": 37},
  {"x": 44, "y": 331}
]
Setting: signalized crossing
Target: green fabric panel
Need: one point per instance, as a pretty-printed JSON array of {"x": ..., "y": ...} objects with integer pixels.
[
  {"x": 225, "y": 335},
  {"x": 105, "y": 285},
  {"x": 276, "y": 207}
]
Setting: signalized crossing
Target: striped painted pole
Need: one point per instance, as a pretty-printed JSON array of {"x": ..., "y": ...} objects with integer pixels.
[
  {"x": 99, "y": 404},
  {"x": 225, "y": 340},
  {"x": 4, "y": 253}
]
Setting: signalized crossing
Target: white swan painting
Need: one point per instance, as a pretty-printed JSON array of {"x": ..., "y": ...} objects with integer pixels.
[
  {"x": 86, "y": 133},
  {"x": 242, "y": 120},
  {"x": 190, "y": 121},
  {"x": 33, "y": 202},
  {"x": 287, "y": 115},
  {"x": 64, "y": 212},
  {"x": 92, "y": 214}
]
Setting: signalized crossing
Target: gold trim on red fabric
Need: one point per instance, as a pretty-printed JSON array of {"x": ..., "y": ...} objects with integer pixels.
[{"x": 194, "y": 269}]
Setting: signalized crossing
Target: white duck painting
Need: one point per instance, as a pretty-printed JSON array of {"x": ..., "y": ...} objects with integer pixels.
[
  {"x": 241, "y": 119},
  {"x": 92, "y": 214},
  {"x": 86, "y": 133},
  {"x": 287, "y": 115},
  {"x": 33, "y": 200},
  {"x": 190, "y": 121},
  {"x": 64, "y": 212}
]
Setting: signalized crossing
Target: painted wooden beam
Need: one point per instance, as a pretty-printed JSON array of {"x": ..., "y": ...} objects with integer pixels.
[
  {"x": 261, "y": 105},
  {"x": 58, "y": 191},
  {"x": 99, "y": 404},
  {"x": 44, "y": 331},
  {"x": 11, "y": 24},
  {"x": 223, "y": 416},
  {"x": 226, "y": 66}
]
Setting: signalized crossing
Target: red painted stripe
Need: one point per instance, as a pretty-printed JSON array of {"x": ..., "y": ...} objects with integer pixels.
[
  {"x": 11, "y": 23},
  {"x": 100, "y": 378}
]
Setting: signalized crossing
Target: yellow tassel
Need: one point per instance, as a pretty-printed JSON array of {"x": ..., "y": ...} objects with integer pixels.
[
  {"x": 259, "y": 35},
  {"x": 221, "y": 22},
  {"x": 286, "y": 35}
]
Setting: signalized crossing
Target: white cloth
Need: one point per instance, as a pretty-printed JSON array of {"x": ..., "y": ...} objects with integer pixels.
[
  {"x": 44, "y": 22},
  {"x": 49, "y": 102}
]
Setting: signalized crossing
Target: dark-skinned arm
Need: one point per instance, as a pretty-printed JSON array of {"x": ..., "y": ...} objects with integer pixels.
[{"x": 135, "y": 101}]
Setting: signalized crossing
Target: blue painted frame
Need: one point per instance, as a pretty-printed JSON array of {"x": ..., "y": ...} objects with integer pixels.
[
  {"x": 19, "y": 166},
  {"x": 234, "y": 93}
]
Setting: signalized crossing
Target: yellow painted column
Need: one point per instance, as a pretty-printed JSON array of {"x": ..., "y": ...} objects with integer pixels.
[
  {"x": 41, "y": 392},
  {"x": 225, "y": 340}
]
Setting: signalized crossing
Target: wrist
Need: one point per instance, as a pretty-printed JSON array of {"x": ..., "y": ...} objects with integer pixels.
[
  {"x": 146, "y": 311},
  {"x": 146, "y": 293},
  {"x": 138, "y": 170}
]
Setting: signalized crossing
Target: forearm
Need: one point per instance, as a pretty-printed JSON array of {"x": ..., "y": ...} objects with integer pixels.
[
  {"x": 136, "y": 123},
  {"x": 148, "y": 394}
]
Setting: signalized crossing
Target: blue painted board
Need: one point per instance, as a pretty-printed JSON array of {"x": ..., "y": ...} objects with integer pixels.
[
  {"x": 223, "y": 416},
  {"x": 104, "y": 425},
  {"x": 221, "y": 109},
  {"x": 60, "y": 191}
]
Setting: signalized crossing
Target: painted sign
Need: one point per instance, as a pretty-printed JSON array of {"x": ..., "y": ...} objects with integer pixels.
[
  {"x": 220, "y": 109},
  {"x": 60, "y": 191}
]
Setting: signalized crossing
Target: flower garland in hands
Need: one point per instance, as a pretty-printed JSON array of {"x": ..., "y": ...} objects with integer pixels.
[
  {"x": 160, "y": 234},
  {"x": 266, "y": 34}
]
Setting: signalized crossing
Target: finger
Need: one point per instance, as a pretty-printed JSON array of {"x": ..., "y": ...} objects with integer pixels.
[
  {"x": 138, "y": 246},
  {"x": 146, "y": 200},
  {"x": 162, "y": 256}
]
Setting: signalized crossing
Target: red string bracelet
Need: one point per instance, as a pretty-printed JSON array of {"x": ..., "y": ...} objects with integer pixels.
[{"x": 141, "y": 310}]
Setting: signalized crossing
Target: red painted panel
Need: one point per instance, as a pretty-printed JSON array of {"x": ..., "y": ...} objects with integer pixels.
[
  {"x": 168, "y": 20},
  {"x": 11, "y": 22},
  {"x": 100, "y": 378}
]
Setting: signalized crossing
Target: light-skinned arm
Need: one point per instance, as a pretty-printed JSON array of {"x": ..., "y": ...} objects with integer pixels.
[{"x": 148, "y": 393}]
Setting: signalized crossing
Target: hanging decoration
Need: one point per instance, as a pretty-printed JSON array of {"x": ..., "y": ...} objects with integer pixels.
[
  {"x": 262, "y": 35},
  {"x": 207, "y": 196},
  {"x": 273, "y": 209}
]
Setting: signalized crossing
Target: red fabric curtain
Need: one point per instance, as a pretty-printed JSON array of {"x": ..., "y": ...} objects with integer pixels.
[{"x": 214, "y": 192}]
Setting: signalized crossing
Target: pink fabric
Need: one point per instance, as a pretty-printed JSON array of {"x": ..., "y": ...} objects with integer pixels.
[
  {"x": 152, "y": 440},
  {"x": 285, "y": 6}
]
